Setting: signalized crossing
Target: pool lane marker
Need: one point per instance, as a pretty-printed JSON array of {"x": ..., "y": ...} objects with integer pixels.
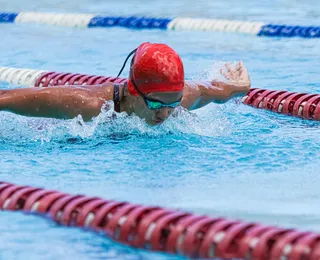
[
  {"x": 158, "y": 229},
  {"x": 79, "y": 20}
]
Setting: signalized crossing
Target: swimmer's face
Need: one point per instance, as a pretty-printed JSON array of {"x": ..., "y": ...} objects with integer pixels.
[{"x": 157, "y": 116}]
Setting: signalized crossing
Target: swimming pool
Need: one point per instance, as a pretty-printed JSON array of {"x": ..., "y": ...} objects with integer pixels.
[{"x": 225, "y": 160}]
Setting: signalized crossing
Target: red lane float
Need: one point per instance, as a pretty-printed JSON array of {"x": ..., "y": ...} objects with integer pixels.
[
  {"x": 59, "y": 78},
  {"x": 301, "y": 105},
  {"x": 158, "y": 229}
]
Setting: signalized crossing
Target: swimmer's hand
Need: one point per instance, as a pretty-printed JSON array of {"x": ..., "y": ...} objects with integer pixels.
[
  {"x": 198, "y": 94},
  {"x": 237, "y": 77}
]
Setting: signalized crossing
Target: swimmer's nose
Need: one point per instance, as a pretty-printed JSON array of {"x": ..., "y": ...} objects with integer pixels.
[{"x": 163, "y": 113}]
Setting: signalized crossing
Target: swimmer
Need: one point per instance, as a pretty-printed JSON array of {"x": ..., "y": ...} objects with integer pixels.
[{"x": 155, "y": 87}]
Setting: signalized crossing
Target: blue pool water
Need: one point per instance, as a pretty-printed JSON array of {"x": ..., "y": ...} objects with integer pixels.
[{"x": 223, "y": 160}]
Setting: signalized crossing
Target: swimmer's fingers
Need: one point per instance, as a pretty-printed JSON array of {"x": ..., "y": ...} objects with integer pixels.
[
  {"x": 238, "y": 66},
  {"x": 224, "y": 74},
  {"x": 241, "y": 66},
  {"x": 227, "y": 75},
  {"x": 235, "y": 71},
  {"x": 229, "y": 68},
  {"x": 244, "y": 75}
]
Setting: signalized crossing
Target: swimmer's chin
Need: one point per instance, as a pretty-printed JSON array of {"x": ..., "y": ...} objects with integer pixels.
[{"x": 154, "y": 122}]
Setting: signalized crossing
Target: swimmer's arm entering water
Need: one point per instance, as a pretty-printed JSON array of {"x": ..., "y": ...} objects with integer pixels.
[
  {"x": 198, "y": 94},
  {"x": 64, "y": 102}
]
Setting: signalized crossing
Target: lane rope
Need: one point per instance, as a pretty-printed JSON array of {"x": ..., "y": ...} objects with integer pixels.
[
  {"x": 157, "y": 229},
  {"x": 79, "y": 20}
]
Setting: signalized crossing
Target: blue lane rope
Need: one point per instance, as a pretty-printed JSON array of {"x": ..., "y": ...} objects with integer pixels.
[
  {"x": 273, "y": 30},
  {"x": 179, "y": 23},
  {"x": 7, "y": 17},
  {"x": 132, "y": 22}
]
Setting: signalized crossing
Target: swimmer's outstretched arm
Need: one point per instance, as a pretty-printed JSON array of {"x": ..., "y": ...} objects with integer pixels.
[
  {"x": 198, "y": 94},
  {"x": 63, "y": 102}
]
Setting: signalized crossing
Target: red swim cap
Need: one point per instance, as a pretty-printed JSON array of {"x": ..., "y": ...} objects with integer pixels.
[{"x": 156, "y": 68}]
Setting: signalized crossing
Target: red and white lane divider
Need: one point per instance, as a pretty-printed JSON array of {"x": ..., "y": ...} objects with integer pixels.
[
  {"x": 301, "y": 105},
  {"x": 158, "y": 229},
  {"x": 42, "y": 78}
]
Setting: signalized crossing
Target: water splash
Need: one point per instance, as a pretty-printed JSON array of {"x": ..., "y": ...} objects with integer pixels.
[
  {"x": 15, "y": 129},
  {"x": 212, "y": 72}
]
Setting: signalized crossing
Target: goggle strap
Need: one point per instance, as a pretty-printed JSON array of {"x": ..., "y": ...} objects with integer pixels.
[{"x": 125, "y": 62}]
